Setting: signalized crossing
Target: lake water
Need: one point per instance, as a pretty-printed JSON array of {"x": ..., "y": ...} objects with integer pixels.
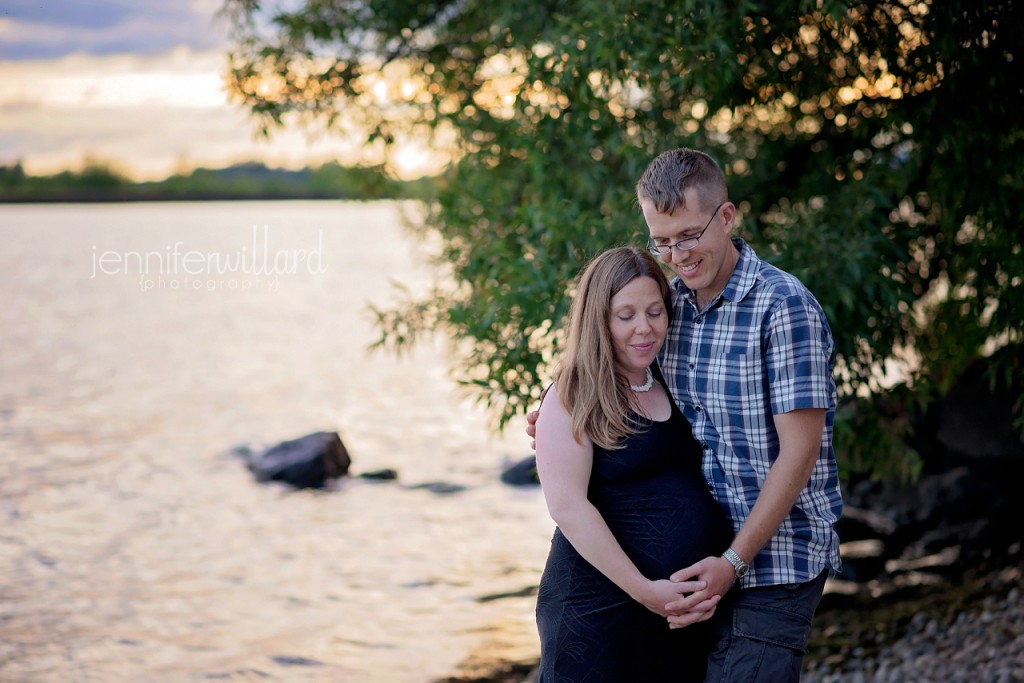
[{"x": 139, "y": 343}]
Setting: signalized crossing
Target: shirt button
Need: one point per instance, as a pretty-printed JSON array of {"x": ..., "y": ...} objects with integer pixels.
[{"x": 699, "y": 409}]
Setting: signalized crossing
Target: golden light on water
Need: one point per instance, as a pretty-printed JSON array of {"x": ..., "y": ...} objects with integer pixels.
[{"x": 136, "y": 547}]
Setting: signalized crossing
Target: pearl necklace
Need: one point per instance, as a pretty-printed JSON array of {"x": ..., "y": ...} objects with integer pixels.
[{"x": 646, "y": 386}]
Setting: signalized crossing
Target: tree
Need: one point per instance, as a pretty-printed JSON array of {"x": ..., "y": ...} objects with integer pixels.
[{"x": 872, "y": 148}]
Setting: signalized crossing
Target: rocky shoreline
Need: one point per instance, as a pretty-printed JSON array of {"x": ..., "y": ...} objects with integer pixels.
[
  {"x": 931, "y": 589},
  {"x": 965, "y": 632}
]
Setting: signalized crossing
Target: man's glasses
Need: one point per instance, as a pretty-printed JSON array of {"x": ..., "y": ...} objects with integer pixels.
[{"x": 684, "y": 244}]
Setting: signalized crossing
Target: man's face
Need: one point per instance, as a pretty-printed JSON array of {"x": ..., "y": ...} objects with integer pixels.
[{"x": 706, "y": 267}]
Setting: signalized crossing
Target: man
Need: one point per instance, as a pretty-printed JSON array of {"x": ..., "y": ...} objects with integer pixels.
[{"x": 748, "y": 359}]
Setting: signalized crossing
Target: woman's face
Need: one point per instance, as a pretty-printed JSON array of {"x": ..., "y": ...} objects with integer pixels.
[{"x": 638, "y": 323}]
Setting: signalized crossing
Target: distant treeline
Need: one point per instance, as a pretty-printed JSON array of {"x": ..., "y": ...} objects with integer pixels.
[{"x": 252, "y": 180}]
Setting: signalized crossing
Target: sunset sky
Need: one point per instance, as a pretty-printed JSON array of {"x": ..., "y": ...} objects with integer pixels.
[{"x": 138, "y": 84}]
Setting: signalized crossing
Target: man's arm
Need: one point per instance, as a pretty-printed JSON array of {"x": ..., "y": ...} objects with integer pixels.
[{"x": 799, "y": 445}]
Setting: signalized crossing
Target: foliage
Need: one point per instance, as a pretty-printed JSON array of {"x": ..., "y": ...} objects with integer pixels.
[
  {"x": 95, "y": 180},
  {"x": 252, "y": 180},
  {"x": 872, "y": 148}
]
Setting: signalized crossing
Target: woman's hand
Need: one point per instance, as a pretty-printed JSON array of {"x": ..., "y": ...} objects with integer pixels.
[{"x": 657, "y": 595}]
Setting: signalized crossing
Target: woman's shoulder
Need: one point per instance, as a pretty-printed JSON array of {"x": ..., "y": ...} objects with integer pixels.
[
  {"x": 554, "y": 418},
  {"x": 549, "y": 397},
  {"x": 552, "y": 409}
]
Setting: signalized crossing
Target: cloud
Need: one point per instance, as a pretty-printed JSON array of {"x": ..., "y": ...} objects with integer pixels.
[
  {"x": 51, "y": 29},
  {"x": 151, "y": 115},
  {"x": 181, "y": 77},
  {"x": 96, "y": 14},
  {"x": 154, "y": 141},
  {"x": 130, "y": 86}
]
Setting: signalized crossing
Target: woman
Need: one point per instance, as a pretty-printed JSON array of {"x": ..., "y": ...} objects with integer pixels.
[{"x": 621, "y": 477}]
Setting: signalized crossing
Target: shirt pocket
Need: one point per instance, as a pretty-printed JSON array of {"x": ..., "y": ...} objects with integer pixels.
[{"x": 735, "y": 387}]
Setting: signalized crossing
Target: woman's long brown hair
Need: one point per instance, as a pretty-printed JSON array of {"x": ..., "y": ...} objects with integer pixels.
[{"x": 589, "y": 385}]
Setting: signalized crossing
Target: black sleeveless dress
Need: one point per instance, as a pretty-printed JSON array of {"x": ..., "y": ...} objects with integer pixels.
[{"x": 653, "y": 497}]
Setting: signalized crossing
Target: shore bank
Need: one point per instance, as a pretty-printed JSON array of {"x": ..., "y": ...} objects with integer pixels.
[{"x": 967, "y": 630}]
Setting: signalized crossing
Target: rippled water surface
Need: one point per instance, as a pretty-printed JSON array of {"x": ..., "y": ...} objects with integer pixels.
[{"x": 135, "y": 547}]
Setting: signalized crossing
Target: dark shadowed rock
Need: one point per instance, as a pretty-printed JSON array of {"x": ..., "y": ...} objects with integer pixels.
[
  {"x": 858, "y": 524},
  {"x": 863, "y": 560},
  {"x": 288, "y": 660},
  {"x": 386, "y": 474},
  {"x": 522, "y": 473},
  {"x": 306, "y": 462},
  {"x": 976, "y": 418},
  {"x": 441, "y": 488}
]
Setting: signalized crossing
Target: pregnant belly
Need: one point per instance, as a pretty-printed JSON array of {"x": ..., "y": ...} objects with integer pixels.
[{"x": 663, "y": 532}]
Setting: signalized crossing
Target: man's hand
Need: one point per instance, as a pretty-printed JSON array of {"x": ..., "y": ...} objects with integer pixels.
[
  {"x": 717, "y": 574},
  {"x": 531, "y": 427},
  {"x": 531, "y": 418}
]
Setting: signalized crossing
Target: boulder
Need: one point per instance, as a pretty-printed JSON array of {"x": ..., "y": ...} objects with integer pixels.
[
  {"x": 306, "y": 462},
  {"x": 978, "y": 417},
  {"x": 521, "y": 473}
]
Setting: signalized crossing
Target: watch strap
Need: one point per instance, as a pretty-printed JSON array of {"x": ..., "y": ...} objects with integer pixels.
[{"x": 738, "y": 565}]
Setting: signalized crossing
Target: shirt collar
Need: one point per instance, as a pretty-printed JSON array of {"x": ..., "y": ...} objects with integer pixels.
[{"x": 740, "y": 282}]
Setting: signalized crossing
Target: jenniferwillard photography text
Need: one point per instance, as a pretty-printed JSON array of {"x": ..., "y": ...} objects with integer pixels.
[{"x": 253, "y": 266}]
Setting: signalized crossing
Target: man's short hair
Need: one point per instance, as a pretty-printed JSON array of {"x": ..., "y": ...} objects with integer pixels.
[{"x": 677, "y": 170}]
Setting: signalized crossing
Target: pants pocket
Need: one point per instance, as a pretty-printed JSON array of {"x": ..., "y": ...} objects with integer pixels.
[{"x": 771, "y": 625}]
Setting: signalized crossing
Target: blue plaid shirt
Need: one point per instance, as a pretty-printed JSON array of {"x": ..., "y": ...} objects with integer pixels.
[{"x": 762, "y": 348}]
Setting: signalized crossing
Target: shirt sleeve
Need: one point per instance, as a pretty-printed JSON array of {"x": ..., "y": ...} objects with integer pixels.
[{"x": 798, "y": 355}]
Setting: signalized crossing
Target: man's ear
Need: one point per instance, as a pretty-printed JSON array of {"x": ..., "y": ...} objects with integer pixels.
[{"x": 729, "y": 212}]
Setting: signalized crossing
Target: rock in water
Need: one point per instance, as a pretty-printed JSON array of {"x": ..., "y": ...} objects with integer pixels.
[
  {"x": 521, "y": 473},
  {"x": 306, "y": 462}
]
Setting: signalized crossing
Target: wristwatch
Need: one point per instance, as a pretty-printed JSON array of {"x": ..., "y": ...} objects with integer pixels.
[{"x": 738, "y": 565}]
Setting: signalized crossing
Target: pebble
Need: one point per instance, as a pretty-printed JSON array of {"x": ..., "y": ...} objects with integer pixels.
[{"x": 980, "y": 646}]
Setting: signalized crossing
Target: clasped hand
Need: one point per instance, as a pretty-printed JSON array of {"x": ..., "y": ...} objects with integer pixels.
[
  {"x": 663, "y": 596},
  {"x": 701, "y": 587}
]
